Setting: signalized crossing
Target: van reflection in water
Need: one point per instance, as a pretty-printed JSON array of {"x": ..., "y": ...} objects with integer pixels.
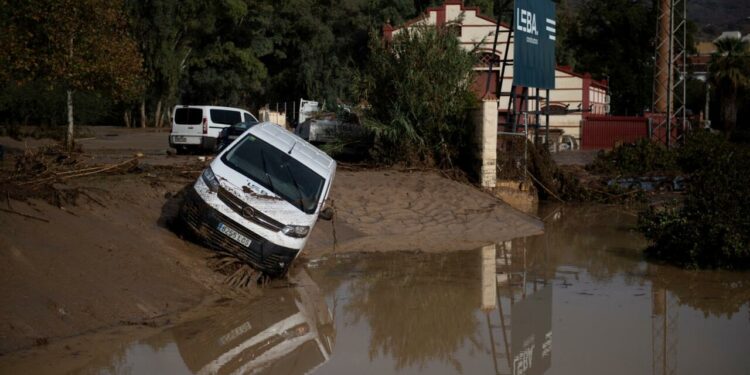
[{"x": 290, "y": 332}]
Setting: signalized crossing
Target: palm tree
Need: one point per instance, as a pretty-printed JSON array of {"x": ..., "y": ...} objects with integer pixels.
[{"x": 730, "y": 72}]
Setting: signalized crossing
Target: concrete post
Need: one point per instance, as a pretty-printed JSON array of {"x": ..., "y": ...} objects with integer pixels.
[{"x": 485, "y": 122}]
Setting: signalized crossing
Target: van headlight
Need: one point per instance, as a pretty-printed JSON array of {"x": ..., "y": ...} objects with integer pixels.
[
  {"x": 297, "y": 231},
  {"x": 209, "y": 178}
]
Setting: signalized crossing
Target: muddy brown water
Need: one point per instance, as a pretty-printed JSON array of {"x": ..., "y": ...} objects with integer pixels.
[{"x": 577, "y": 300}]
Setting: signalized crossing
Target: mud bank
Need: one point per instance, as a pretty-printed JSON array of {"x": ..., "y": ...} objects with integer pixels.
[
  {"x": 392, "y": 210},
  {"x": 112, "y": 260},
  {"x": 109, "y": 260}
]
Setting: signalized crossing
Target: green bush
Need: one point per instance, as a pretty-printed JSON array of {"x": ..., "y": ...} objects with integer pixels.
[
  {"x": 711, "y": 228},
  {"x": 700, "y": 147},
  {"x": 641, "y": 158},
  {"x": 419, "y": 89},
  {"x": 37, "y": 104}
]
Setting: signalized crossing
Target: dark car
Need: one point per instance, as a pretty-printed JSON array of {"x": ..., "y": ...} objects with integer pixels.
[{"x": 229, "y": 134}]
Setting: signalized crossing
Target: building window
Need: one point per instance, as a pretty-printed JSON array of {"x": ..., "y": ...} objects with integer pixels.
[
  {"x": 555, "y": 109},
  {"x": 485, "y": 58}
]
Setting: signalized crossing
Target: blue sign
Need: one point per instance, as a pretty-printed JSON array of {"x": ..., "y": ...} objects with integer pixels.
[{"x": 534, "y": 44}]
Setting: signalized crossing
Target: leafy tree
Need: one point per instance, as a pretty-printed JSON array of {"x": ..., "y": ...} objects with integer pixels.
[
  {"x": 612, "y": 39},
  {"x": 229, "y": 40},
  {"x": 80, "y": 45},
  {"x": 730, "y": 72},
  {"x": 421, "y": 96},
  {"x": 163, "y": 30},
  {"x": 566, "y": 21},
  {"x": 297, "y": 30},
  {"x": 486, "y": 6},
  {"x": 320, "y": 46}
]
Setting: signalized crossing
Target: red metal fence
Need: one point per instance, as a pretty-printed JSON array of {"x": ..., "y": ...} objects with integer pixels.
[{"x": 604, "y": 132}]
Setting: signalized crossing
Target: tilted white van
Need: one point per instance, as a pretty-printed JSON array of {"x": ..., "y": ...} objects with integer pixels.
[
  {"x": 261, "y": 197},
  {"x": 197, "y": 126}
]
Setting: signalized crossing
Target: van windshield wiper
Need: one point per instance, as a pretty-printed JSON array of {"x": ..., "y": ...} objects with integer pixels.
[
  {"x": 265, "y": 171},
  {"x": 296, "y": 186}
]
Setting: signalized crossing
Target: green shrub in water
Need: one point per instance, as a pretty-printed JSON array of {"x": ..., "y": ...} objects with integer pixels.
[{"x": 711, "y": 227}]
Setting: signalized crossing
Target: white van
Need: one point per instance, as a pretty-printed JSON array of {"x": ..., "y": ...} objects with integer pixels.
[
  {"x": 198, "y": 126},
  {"x": 261, "y": 197}
]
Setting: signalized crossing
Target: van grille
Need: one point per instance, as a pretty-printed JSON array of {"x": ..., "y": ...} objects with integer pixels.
[
  {"x": 262, "y": 255},
  {"x": 238, "y": 205}
]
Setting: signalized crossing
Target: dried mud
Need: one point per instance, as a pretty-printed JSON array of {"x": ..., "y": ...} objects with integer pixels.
[{"x": 111, "y": 258}]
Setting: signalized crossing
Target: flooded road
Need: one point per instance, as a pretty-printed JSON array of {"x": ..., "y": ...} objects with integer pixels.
[{"x": 577, "y": 300}]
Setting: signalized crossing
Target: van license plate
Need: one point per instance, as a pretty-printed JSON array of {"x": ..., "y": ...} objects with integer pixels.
[
  {"x": 179, "y": 139},
  {"x": 233, "y": 234}
]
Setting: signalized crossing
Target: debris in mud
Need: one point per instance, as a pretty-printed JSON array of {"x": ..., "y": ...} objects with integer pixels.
[
  {"x": 41, "y": 173},
  {"x": 237, "y": 272},
  {"x": 55, "y": 164},
  {"x": 657, "y": 183},
  {"x": 45, "y": 173}
]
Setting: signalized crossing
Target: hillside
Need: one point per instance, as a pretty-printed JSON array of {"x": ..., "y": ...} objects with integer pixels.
[{"x": 715, "y": 16}]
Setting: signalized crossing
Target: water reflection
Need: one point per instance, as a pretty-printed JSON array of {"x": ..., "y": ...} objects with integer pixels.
[
  {"x": 600, "y": 240},
  {"x": 485, "y": 311},
  {"x": 603, "y": 242},
  {"x": 719, "y": 294},
  {"x": 520, "y": 322},
  {"x": 287, "y": 331},
  {"x": 418, "y": 307},
  {"x": 581, "y": 291},
  {"x": 578, "y": 299}
]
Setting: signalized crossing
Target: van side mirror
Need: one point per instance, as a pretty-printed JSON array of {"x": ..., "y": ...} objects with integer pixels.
[{"x": 326, "y": 214}]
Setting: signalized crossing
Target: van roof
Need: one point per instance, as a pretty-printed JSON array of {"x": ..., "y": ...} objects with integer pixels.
[
  {"x": 208, "y": 107},
  {"x": 306, "y": 153}
]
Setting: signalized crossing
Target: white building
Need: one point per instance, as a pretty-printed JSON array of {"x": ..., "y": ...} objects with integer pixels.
[{"x": 573, "y": 91}]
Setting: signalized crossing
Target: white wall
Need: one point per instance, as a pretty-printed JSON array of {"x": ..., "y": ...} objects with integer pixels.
[{"x": 478, "y": 33}]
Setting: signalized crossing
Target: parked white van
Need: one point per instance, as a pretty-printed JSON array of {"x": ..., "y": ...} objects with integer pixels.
[
  {"x": 198, "y": 126},
  {"x": 261, "y": 196}
]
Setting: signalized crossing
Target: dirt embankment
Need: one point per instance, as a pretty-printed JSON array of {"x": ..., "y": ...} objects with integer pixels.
[
  {"x": 113, "y": 259},
  {"x": 391, "y": 210},
  {"x": 100, "y": 263}
]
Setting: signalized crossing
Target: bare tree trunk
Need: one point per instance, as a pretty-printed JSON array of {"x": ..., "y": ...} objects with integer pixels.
[
  {"x": 158, "y": 115},
  {"x": 126, "y": 118},
  {"x": 143, "y": 113},
  {"x": 70, "y": 133}
]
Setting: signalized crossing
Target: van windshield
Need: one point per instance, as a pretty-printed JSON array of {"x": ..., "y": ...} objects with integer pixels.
[{"x": 276, "y": 171}]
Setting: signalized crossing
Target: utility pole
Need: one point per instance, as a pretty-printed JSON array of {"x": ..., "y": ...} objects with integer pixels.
[{"x": 670, "y": 74}]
